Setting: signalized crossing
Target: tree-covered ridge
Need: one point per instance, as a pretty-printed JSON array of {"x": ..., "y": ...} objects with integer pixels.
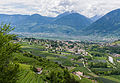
[{"x": 109, "y": 24}]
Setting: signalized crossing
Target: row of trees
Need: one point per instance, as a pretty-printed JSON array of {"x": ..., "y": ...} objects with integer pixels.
[
  {"x": 97, "y": 65},
  {"x": 107, "y": 72}
]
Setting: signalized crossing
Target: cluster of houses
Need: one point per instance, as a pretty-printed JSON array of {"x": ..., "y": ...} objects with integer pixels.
[
  {"x": 57, "y": 45},
  {"x": 61, "y": 46},
  {"x": 72, "y": 47}
]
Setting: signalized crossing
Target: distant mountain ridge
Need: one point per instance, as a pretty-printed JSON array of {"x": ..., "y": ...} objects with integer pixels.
[
  {"x": 66, "y": 23},
  {"x": 96, "y": 17},
  {"x": 74, "y": 20},
  {"x": 109, "y": 24}
]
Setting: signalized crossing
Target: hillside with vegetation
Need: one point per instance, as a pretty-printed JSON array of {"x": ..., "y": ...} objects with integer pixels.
[
  {"x": 91, "y": 59},
  {"x": 108, "y": 25}
]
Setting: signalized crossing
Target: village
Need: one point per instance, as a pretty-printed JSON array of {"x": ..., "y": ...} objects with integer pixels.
[{"x": 77, "y": 56}]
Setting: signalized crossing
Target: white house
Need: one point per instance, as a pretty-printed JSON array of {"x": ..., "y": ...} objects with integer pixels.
[{"x": 110, "y": 59}]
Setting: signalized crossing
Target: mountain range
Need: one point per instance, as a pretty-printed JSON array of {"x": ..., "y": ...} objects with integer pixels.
[
  {"x": 109, "y": 24},
  {"x": 69, "y": 23},
  {"x": 66, "y": 23}
]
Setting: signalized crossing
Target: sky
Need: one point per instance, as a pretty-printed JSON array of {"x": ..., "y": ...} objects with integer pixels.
[{"x": 52, "y": 8}]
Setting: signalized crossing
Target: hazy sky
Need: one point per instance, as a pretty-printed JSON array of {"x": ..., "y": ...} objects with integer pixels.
[{"x": 54, "y": 7}]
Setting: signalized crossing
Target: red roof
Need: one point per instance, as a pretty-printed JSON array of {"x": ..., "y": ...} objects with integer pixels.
[{"x": 39, "y": 69}]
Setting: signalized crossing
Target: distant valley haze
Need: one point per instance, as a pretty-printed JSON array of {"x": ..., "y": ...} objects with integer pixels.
[{"x": 75, "y": 18}]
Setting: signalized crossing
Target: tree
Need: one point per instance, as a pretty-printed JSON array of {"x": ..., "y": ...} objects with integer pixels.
[{"x": 8, "y": 69}]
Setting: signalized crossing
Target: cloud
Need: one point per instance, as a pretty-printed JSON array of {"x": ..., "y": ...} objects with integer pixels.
[{"x": 54, "y": 7}]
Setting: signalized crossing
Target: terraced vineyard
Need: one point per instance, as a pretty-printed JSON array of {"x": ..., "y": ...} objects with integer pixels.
[{"x": 27, "y": 77}]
